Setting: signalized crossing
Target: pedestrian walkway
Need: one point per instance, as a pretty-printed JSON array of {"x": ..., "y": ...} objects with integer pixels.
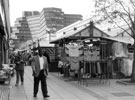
[{"x": 62, "y": 90}]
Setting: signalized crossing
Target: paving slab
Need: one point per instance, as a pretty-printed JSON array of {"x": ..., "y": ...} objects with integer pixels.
[{"x": 59, "y": 89}]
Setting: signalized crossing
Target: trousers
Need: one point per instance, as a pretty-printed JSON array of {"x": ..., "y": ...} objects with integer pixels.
[
  {"x": 41, "y": 77},
  {"x": 19, "y": 73}
]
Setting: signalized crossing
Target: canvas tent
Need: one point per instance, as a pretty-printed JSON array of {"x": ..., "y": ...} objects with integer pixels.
[
  {"x": 45, "y": 43},
  {"x": 81, "y": 30},
  {"x": 127, "y": 40}
]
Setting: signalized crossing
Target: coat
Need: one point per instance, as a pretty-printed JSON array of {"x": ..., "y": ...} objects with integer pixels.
[
  {"x": 36, "y": 65},
  {"x": 19, "y": 63}
]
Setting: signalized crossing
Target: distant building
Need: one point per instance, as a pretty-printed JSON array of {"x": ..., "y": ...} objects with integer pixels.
[
  {"x": 29, "y": 13},
  {"x": 36, "y": 26},
  {"x": 71, "y": 18},
  {"x": 4, "y": 32},
  {"x": 33, "y": 25},
  {"x": 54, "y": 18},
  {"x": 21, "y": 29}
]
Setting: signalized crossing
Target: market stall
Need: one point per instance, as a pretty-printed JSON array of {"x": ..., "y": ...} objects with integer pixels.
[
  {"x": 122, "y": 56},
  {"x": 75, "y": 40},
  {"x": 96, "y": 52}
]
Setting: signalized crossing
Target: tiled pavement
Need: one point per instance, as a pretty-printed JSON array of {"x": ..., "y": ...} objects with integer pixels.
[{"x": 62, "y": 90}]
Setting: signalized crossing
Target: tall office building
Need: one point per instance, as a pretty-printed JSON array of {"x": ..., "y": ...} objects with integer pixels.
[
  {"x": 54, "y": 18},
  {"x": 22, "y": 31},
  {"x": 34, "y": 25},
  {"x": 71, "y": 18},
  {"x": 29, "y": 13},
  {"x": 50, "y": 18},
  {"x": 21, "y": 28}
]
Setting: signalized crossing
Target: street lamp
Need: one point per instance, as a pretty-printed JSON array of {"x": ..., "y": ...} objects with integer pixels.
[{"x": 51, "y": 31}]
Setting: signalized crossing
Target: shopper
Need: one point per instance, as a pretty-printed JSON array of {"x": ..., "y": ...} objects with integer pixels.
[
  {"x": 19, "y": 67},
  {"x": 48, "y": 59},
  {"x": 47, "y": 56},
  {"x": 39, "y": 67},
  {"x": 12, "y": 58}
]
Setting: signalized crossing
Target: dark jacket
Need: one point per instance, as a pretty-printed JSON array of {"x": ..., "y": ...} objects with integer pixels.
[
  {"x": 19, "y": 62},
  {"x": 47, "y": 56}
]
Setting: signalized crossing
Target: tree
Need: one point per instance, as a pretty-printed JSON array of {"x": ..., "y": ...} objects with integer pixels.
[{"x": 118, "y": 13}]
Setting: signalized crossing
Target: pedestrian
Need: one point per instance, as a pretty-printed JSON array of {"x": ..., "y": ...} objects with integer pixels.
[
  {"x": 19, "y": 67},
  {"x": 60, "y": 65},
  {"x": 48, "y": 58},
  {"x": 12, "y": 58},
  {"x": 24, "y": 55},
  {"x": 39, "y": 67}
]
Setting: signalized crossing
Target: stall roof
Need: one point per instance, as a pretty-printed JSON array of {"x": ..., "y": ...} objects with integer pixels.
[
  {"x": 76, "y": 29},
  {"x": 127, "y": 40},
  {"x": 69, "y": 30},
  {"x": 44, "y": 43}
]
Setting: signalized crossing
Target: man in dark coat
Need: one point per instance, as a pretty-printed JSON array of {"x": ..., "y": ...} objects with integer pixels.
[
  {"x": 19, "y": 67},
  {"x": 48, "y": 59},
  {"x": 47, "y": 56}
]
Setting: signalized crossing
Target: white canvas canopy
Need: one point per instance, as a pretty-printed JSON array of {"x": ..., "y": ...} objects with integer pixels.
[
  {"x": 45, "y": 43},
  {"x": 79, "y": 29},
  {"x": 127, "y": 40}
]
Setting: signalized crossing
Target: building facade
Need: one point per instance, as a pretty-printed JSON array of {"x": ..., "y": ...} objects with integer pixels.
[
  {"x": 4, "y": 31},
  {"x": 54, "y": 18},
  {"x": 29, "y": 13},
  {"x": 34, "y": 25},
  {"x": 71, "y": 18},
  {"x": 22, "y": 31}
]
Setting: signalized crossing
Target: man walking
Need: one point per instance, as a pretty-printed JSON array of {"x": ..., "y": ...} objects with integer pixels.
[
  {"x": 19, "y": 67},
  {"x": 48, "y": 59},
  {"x": 39, "y": 67}
]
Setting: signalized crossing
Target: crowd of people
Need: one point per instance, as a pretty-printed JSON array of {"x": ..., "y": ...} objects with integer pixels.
[{"x": 39, "y": 63}]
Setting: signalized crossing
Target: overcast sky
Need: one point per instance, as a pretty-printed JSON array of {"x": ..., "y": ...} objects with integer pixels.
[{"x": 82, "y": 7}]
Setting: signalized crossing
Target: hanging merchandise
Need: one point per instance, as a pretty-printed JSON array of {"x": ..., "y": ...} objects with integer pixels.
[
  {"x": 73, "y": 50},
  {"x": 87, "y": 55},
  {"x": 119, "y": 49},
  {"x": 60, "y": 64},
  {"x": 91, "y": 53},
  {"x": 126, "y": 67},
  {"x": 74, "y": 63},
  {"x": 63, "y": 55}
]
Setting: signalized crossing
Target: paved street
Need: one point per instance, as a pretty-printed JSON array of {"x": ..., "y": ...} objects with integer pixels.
[{"x": 62, "y": 90}]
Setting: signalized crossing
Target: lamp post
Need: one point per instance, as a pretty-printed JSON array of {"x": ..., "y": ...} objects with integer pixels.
[{"x": 51, "y": 31}]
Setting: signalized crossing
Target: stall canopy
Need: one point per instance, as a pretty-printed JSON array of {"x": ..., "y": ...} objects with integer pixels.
[
  {"x": 45, "y": 43},
  {"x": 127, "y": 40},
  {"x": 79, "y": 30}
]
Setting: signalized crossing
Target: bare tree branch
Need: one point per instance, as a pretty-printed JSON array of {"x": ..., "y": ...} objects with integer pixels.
[
  {"x": 130, "y": 15},
  {"x": 114, "y": 21},
  {"x": 132, "y": 3},
  {"x": 132, "y": 22},
  {"x": 126, "y": 12},
  {"x": 127, "y": 24}
]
